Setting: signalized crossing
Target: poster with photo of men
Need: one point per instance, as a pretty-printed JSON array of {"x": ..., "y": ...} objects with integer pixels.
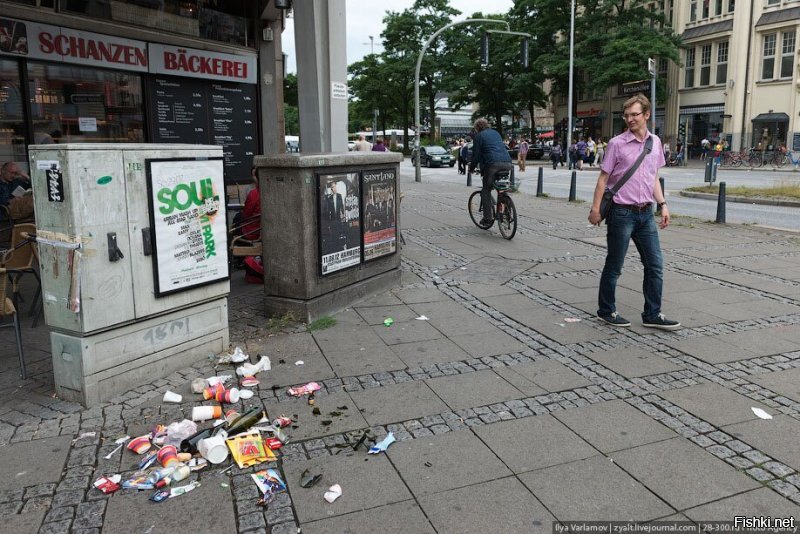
[
  {"x": 339, "y": 221},
  {"x": 380, "y": 216}
]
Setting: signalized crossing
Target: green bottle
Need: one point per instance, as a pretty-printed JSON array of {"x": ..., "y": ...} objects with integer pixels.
[{"x": 245, "y": 421}]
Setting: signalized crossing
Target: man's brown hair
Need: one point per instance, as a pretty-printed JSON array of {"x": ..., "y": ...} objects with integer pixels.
[{"x": 640, "y": 99}]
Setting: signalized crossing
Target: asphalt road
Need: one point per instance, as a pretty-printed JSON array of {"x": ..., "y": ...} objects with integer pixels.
[{"x": 556, "y": 183}]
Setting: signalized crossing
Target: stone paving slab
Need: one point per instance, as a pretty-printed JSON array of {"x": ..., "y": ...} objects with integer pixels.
[
  {"x": 33, "y": 462},
  {"x": 488, "y": 290},
  {"x": 407, "y": 332},
  {"x": 488, "y": 344},
  {"x": 473, "y": 389},
  {"x": 452, "y": 319},
  {"x": 581, "y": 490},
  {"x": 399, "y": 518},
  {"x": 397, "y": 402},
  {"x": 666, "y": 467},
  {"x": 634, "y": 362},
  {"x": 521, "y": 443},
  {"x": 434, "y": 464},
  {"x": 787, "y": 382},
  {"x": 776, "y": 437},
  {"x": 313, "y": 426},
  {"x": 757, "y": 503},
  {"x": 208, "y": 508},
  {"x": 549, "y": 375},
  {"x": 713, "y": 349},
  {"x": 613, "y": 426},
  {"x": 366, "y": 481},
  {"x": 23, "y": 523},
  {"x": 372, "y": 359},
  {"x": 714, "y": 403},
  {"x": 375, "y": 315},
  {"x": 502, "y": 505},
  {"x": 429, "y": 352},
  {"x": 419, "y": 295}
]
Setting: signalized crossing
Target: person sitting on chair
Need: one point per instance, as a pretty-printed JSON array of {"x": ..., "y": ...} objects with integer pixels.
[{"x": 12, "y": 177}]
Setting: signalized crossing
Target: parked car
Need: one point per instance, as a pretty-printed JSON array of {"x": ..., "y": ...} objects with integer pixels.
[{"x": 433, "y": 156}]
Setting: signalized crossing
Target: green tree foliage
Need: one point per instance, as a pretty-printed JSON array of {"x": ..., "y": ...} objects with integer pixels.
[{"x": 291, "y": 115}]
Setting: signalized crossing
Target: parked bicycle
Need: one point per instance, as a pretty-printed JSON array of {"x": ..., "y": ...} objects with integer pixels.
[
  {"x": 503, "y": 208},
  {"x": 782, "y": 158}
]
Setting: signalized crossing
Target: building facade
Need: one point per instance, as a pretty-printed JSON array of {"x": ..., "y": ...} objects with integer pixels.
[{"x": 739, "y": 79}]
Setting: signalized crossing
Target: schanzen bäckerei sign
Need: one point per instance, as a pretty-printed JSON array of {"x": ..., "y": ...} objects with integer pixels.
[{"x": 188, "y": 222}]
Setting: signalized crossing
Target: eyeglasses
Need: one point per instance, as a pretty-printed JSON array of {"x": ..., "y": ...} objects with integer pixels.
[{"x": 632, "y": 115}]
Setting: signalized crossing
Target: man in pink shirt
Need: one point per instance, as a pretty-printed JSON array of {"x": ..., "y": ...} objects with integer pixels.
[{"x": 631, "y": 216}]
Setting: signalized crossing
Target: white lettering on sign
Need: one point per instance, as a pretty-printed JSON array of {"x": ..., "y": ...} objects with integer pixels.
[
  {"x": 202, "y": 64},
  {"x": 339, "y": 90}
]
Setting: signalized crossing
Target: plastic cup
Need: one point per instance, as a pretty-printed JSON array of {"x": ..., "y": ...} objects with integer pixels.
[
  {"x": 228, "y": 396},
  {"x": 198, "y": 385},
  {"x": 168, "y": 456},
  {"x": 140, "y": 445},
  {"x": 213, "y": 449},
  {"x": 204, "y": 413},
  {"x": 171, "y": 396},
  {"x": 211, "y": 392}
]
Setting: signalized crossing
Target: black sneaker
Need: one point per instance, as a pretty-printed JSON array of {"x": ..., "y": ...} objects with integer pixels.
[
  {"x": 615, "y": 319},
  {"x": 662, "y": 323}
]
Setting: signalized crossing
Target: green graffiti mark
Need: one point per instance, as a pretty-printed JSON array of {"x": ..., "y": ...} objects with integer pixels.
[{"x": 103, "y": 180}]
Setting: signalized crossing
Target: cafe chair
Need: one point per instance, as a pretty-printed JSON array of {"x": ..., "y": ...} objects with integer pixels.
[
  {"x": 19, "y": 261},
  {"x": 241, "y": 246},
  {"x": 7, "y": 309}
]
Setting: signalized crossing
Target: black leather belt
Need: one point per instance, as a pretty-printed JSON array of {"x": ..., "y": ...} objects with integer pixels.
[{"x": 639, "y": 208}]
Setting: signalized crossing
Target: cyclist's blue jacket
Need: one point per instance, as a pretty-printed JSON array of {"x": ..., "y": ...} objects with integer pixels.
[{"x": 488, "y": 148}]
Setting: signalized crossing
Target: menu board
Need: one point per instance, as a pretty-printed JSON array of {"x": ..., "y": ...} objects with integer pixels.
[{"x": 187, "y": 110}]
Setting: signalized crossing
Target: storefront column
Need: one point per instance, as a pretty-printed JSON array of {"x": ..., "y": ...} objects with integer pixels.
[
  {"x": 321, "y": 74},
  {"x": 271, "y": 89}
]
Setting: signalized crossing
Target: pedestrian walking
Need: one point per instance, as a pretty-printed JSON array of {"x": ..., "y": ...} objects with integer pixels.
[
  {"x": 631, "y": 215},
  {"x": 590, "y": 151},
  {"x": 705, "y": 145},
  {"x": 580, "y": 153},
  {"x": 522, "y": 153},
  {"x": 362, "y": 145},
  {"x": 601, "y": 151},
  {"x": 555, "y": 154}
]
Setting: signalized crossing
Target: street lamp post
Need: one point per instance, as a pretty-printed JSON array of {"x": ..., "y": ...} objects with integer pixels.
[
  {"x": 651, "y": 66},
  {"x": 571, "y": 76},
  {"x": 418, "y": 171}
]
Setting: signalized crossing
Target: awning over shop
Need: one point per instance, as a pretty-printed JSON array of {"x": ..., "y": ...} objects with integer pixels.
[
  {"x": 546, "y": 135},
  {"x": 771, "y": 117}
]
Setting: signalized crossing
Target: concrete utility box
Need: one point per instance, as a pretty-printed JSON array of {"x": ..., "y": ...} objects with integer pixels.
[
  {"x": 132, "y": 248},
  {"x": 330, "y": 229}
]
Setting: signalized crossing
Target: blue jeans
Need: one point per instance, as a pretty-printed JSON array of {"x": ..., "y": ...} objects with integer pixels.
[
  {"x": 488, "y": 180},
  {"x": 623, "y": 225}
]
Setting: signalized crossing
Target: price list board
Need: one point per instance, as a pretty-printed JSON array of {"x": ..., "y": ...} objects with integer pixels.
[{"x": 186, "y": 110}]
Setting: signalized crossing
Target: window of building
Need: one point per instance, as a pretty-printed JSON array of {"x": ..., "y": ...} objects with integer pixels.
[
  {"x": 722, "y": 63},
  {"x": 718, "y": 8},
  {"x": 689, "y": 79},
  {"x": 773, "y": 2},
  {"x": 787, "y": 54},
  {"x": 705, "y": 65},
  {"x": 80, "y": 104},
  {"x": 12, "y": 120},
  {"x": 768, "y": 61},
  {"x": 731, "y": 5},
  {"x": 705, "y": 9},
  {"x": 693, "y": 11}
]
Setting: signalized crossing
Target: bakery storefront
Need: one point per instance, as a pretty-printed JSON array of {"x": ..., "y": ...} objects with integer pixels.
[{"x": 61, "y": 85}]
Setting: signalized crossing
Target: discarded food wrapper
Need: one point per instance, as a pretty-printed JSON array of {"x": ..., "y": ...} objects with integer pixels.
[
  {"x": 422, "y": 318},
  {"x": 160, "y": 495},
  {"x": 180, "y": 490},
  {"x": 238, "y": 356},
  {"x": 282, "y": 421},
  {"x": 140, "y": 445},
  {"x": 245, "y": 394},
  {"x": 179, "y": 431},
  {"x": 221, "y": 379},
  {"x": 196, "y": 464},
  {"x": 333, "y": 493},
  {"x": 138, "y": 481},
  {"x": 248, "y": 449},
  {"x": 761, "y": 413},
  {"x": 299, "y": 391},
  {"x": 248, "y": 381},
  {"x": 148, "y": 460},
  {"x": 308, "y": 479},
  {"x": 108, "y": 484},
  {"x": 572, "y": 319},
  {"x": 299, "y": 362},
  {"x": 171, "y": 396},
  {"x": 199, "y": 384},
  {"x": 249, "y": 369},
  {"x": 273, "y": 443},
  {"x": 382, "y": 445},
  {"x": 269, "y": 483},
  {"x": 388, "y": 321},
  {"x": 85, "y": 435}
]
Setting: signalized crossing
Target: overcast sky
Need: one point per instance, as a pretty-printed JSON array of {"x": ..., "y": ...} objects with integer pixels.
[{"x": 365, "y": 18}]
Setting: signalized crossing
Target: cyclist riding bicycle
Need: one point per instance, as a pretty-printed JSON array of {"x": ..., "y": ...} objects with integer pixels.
[{"x": 490, "y": 153}]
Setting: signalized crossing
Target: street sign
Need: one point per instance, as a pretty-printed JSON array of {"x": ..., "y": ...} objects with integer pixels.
[{"x": 632, "y": 88}]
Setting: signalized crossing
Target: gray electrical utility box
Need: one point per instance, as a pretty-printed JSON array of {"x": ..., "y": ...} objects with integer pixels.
[{"x": 132, "y": 245}]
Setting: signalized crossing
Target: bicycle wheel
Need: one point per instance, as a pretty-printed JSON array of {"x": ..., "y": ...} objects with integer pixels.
[
  {"x": 736, "y": 161},
  {"x": 476, "y": 210},
  {"x": 506, "y": 217},
  {"x": 779, "y": 160},
  {"x": 756, "y": 160}
]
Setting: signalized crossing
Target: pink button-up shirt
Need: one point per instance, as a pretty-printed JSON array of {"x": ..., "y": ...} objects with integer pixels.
[{"x": 621, "y": 153}]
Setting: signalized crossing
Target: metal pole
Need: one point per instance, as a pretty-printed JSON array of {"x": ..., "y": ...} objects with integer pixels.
[
  {"x": 651, "y": 63},
  {"x": 573, "y": 187},
  {"x": 540, "y": 183},
  {"x": 721, "y": 204},
  {"x": 571, "y": 66},
  {"x": 417, "y": 170}
]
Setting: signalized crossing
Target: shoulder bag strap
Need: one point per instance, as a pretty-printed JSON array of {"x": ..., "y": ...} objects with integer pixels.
[{"x": 648, "y": 146}]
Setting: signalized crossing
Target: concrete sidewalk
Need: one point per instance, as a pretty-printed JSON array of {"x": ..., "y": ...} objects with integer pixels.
[{"x": 509, "y": 414}]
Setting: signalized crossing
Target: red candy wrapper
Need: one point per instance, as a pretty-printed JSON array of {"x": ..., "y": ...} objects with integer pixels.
[
  {"x": 108, "y": 484},
  {"x": 273, "y": 443}
]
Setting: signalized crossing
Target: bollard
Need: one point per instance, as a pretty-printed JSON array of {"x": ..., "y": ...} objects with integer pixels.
[
  {"x": 573, "y": 186},
  {"x": 710, "y": 171},
  {"x": 469, "y": 178},
  {"x": 721, "y": 204},
  {"x": 540, "y": 183},
  {"x": 513, "y": 181}
]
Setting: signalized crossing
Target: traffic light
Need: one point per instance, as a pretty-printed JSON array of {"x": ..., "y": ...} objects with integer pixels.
[
  {"x": 485, "y": 49},
  {"x": 524, "y": 53},
  {"x": 682, "y": 130}
]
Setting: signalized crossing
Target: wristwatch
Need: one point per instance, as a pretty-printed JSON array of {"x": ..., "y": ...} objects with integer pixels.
[{"x": 661, "y": 204}]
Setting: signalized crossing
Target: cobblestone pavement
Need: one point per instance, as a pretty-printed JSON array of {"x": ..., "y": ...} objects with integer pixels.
[{"x": 511, "y": 404}]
